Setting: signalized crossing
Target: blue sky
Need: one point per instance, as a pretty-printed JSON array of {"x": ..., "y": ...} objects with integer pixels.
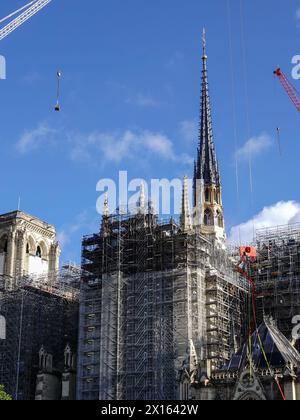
[{"x": 134, "y": 67}]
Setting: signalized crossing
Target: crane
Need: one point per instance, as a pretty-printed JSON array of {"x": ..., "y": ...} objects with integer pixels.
[
  {"x": 289, "y": 88},
  {"x": 24, "y": 13}
]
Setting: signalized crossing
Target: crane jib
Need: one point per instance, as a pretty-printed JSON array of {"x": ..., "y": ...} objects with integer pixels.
[
  {"x": 26, "y": 12},
  {"x": 289, "y": 88}
]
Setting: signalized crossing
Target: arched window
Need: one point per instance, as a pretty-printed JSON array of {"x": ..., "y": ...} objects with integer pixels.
[
  {"x": 208, "y": 218},
  {"x": 220, "y": 220},
  {"x": 27, "y": 249},
  {"x": 207, "y": 195},
  {"x": 3, "y": 245},
  {"x": 39, "y": 252},
  {"x": 217, "y": 197}
]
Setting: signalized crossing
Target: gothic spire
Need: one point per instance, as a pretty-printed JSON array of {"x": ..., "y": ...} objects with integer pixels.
[
  {"x": 207, "y": 165},
  {"x": 208, "y": 208}
]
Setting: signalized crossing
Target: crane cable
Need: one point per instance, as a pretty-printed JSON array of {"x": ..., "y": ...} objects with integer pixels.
[
  {"x": 246, "y": 91},
  {"x": 278, "y": 129},
  {"x": 57, "y": 106},
  {"x": 17, "y": 11},
  {"x": 234, "y": 118}
]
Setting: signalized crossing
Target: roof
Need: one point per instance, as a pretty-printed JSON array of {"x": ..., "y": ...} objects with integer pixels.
[
  {"x": 19, "y": 215},
  {"x": 278, "y": 350}
]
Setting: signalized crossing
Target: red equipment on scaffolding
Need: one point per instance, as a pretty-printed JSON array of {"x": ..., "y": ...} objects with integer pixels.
[
  {"x": 289, "y": 88},
  {"x": 248, "y": 256}
]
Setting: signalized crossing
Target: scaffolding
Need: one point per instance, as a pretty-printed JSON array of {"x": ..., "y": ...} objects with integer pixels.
[
  {"x": 39, "y": 311},
  {"x": 277, "y": 275},
  {"x": 226, "y": 303},
  {"x": 147, "y": 293}
]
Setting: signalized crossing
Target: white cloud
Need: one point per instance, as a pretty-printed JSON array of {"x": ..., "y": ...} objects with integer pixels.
[
  {"x": 282, "y": 213},
  {"x": 95, "y": 147},
  {"x": 115, "y": 147},
  {"x": 83, "y": 222},
  {"x": 254, "y": 147},
  {"x": 189, "y": 130},
  {"x": 63, "y": 238},
  {"x": 32, "y": 140},
  {"x": 143, "y": 101}
]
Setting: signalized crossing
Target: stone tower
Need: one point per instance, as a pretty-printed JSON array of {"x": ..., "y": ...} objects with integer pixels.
[
  {"x": 27, "y": 246},
  {"x": 208, "y": 207}
]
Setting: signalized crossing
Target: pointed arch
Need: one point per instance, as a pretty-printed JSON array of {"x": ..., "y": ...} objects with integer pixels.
[
  {"x": 220, "y": 219},
  {"x": 208, "y": 218},
  {"x": 207, "y": 195},
  {"x": 42, "y": 250},
  {"x": 30, "y": 246}
]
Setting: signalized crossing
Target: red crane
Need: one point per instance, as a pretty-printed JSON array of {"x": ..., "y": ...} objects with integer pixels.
[{"x": 289, "y": 88}]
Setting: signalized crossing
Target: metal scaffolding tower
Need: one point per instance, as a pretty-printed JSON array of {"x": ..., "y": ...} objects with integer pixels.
[
  {"x": 39, "y": 311},
  {"x": 145, "y": 297},
  {"x": 277, "y": 275}
]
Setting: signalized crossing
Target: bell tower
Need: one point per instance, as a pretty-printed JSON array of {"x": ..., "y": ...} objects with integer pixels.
[
  {"x": 27, "y": 246},
  {"x": 208, "y": 206}
]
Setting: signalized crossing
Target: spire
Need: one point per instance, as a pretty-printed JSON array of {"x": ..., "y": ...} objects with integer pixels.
[
  {"x": 105, "y": 206},
  {"x": 207, "y": 165},
  {"x": 208, "y": 211},
  {"x": 105, "y": 218},
  {"x": 185, "y": 221},
  {"x": 142, "y": 200}
]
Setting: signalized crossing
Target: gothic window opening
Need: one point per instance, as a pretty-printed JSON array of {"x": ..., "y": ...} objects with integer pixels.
[
  {"x": 207, "y": 195},
  {"x": 220, "y": 220},
  {"x": 39, "y": 252},
  {"x": 27, "y": 249},
  {"x": 208, "y": 218}
]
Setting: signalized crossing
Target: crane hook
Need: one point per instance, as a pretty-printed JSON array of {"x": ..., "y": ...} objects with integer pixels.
[
  {"x": 278, "y": 129},
  {"x": 59, "y": 76}
]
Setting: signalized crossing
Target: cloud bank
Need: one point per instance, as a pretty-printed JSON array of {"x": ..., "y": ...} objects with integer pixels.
[
  {"x": 254, "y": 147},
  {"x": 281, "y": 213}
]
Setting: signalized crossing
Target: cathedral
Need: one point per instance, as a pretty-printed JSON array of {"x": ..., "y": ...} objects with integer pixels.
[
  {"x": 160, "y": 301},
  {"x": 165, "y": 313},
  {"x": 39, "y": 305}
]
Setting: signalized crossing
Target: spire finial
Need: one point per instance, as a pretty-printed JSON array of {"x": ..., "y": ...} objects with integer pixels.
[
  {"x": 106, "y": 206},
  {"x": 142, "y": 201},
  {"x": 204, "y": 57}
]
